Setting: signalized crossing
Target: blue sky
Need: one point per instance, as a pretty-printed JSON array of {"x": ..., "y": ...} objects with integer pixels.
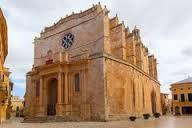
[{"x": 165, "y": 28}]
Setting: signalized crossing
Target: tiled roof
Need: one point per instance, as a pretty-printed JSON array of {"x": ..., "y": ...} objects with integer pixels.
[{"x": 188, "y": 80}]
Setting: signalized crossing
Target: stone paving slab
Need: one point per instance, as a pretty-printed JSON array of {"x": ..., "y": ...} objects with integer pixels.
[{"x": 162, "y": 122}]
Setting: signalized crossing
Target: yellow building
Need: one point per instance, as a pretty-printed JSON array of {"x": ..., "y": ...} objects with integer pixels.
[
  {"x": 17, "y": 103},
  {"x": 5, "y": 84},
  {"x": 165, "y": 103},
  {"x": 182, "y": 96}
]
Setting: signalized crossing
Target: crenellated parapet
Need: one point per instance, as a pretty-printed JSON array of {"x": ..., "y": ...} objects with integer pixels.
[
  {"x": 152, "y": 66},
  {"x": 117, "y": 39},
  {"x": 114, "y": 22}
]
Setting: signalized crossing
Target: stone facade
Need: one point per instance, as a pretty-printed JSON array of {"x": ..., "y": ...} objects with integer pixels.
[
  {"x": 5, "y": 84},
  {"x": 166, "y": 103},
  {"x": 182, "y": 97},
  {"x": 16, "y": 103},
  {"x": 88, "y": 66}
]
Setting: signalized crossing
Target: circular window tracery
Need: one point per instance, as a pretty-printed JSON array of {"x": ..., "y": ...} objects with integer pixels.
[{"x": 68, "y": 40}]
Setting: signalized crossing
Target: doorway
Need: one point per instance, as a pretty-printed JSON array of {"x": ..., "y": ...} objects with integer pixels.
[
  {"x": 153, "y": 101},
  {"x": 187, "y": 110},
  {"x": 177, "y": 111},
  {"x": 52, "y": 97}
]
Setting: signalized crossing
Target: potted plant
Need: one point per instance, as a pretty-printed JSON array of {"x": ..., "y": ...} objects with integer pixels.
[
  {"x": 146, "y": 116},
  {"x": 132, "y": 118},
  {"x": 157, "y": 115}
]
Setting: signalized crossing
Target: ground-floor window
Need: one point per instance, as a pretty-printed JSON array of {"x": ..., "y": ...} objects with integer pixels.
[
  {"x": 187, "y": 110},
  {"x": 177, "y": 111},
  {"x": 190, "y": 96}
]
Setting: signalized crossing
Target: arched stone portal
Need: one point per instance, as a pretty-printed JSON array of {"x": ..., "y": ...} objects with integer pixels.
[
  {"x": 52, "y": 96},
  {"x": 153, "y": 101}
]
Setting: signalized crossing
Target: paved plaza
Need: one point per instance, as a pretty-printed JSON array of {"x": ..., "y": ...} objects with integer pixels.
[{"x": 162, "y": 122}]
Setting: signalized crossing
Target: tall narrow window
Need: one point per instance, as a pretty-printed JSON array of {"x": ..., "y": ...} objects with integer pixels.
[
  {"x": 133, "y": 93},
  {"x": 77, "y": 82},
  {"x": 37, "y": 84},
  {"x": 175, "y": 97},
  {"x": 143, "y": 97},
  {"x": 182, "y": 97},
  {"x": 190, "y": 96},
  {"x": 3, "y": 78}
]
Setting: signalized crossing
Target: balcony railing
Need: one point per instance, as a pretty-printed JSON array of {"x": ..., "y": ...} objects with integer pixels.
[
  {"x": 82, "y": 56},
  {"x": 182, "y": 101},
  {"x": 59, "y": 57}
]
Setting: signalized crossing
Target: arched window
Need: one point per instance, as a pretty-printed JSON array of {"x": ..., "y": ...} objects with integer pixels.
[
  {"x": 133, "y": 83},
  {"x": 37, "y": 88},
  {"x": 77, "y": 82},
  {"x": 143, "y": 96},
  {"x": 49, "y": 54},
  {"x": 153, "y": 101},
  {"x": 49, "y": 58}
]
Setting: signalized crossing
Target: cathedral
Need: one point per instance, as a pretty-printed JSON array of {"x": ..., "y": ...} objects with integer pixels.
[{"x": 89, "y": 66}]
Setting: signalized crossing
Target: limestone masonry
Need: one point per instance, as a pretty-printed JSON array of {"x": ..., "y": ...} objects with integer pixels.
[
  {"x": 6, "y": 85},
  {"x": 88, "y": 66}
]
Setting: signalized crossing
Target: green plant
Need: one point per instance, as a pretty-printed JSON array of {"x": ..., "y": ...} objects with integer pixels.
[
  {"x": 157, "y": 115},
  {"x": 146, "y": 116},
  {"x": 132, "y": 118}
]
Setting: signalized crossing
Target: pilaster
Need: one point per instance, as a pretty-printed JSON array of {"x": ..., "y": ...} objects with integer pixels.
[
  {"x": 59, "y": 99},
  {"x": 66, "y": 89},
  {"x": 180, "y": 110},
  {"x": 41, "y": 112}
]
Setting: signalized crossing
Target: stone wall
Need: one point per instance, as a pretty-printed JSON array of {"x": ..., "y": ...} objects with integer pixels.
[
  {"x": 5, "y": 86},
  {"x": 117, "y": 79},
  {"x": 88, "y": 34},
  {"x": 128, "y": 90},
  {"x": 3, "y": 37},
  {"x": 128, "y": 46},
  {"x": 96, "y": 88}
]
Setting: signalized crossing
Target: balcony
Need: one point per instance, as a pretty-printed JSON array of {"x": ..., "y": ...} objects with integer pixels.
[
  {"x": 59, "y": 57},
  {"x": 78, "y": 57},
  {"x": 181, "y": 102}
]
